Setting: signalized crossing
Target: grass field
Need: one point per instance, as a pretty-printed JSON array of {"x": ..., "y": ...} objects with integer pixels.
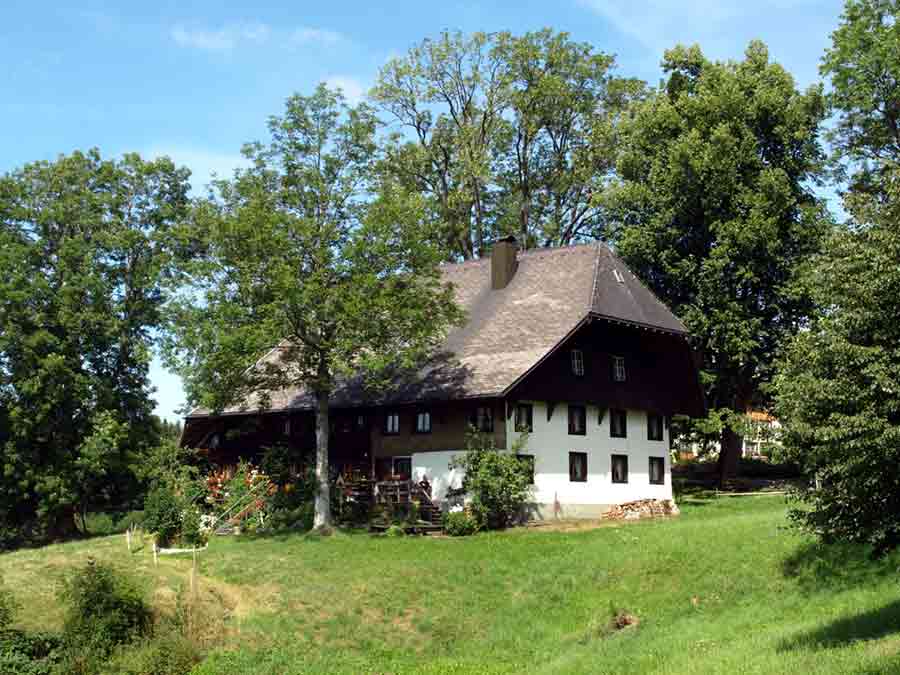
[{"x": 724, "y": 588}]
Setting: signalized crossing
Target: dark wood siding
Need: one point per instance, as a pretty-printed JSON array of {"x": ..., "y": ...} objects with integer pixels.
[{"x": 660, "y": 373}]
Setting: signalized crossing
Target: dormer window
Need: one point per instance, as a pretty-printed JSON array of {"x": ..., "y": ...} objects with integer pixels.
[
  {"x": 618, "y": 369},
  {"x": 577, "y": 362}
]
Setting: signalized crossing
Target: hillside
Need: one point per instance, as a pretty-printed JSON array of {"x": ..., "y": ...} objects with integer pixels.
[{"x": 723, "y": 588}]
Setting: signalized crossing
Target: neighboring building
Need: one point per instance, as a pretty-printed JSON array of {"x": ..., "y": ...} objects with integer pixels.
[
  {"x": 564, "y": 343},
  {"x": 761, "y": 437}
]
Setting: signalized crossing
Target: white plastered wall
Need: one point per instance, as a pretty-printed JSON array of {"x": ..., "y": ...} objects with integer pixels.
[{"x": 550, "y": 443}]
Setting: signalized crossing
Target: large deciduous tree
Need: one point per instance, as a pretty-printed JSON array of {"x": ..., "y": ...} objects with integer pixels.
[
  {"x": 837, "y": 388},
  {"x": 84, "y": 248},
  {"x": 714, "y": 210},
  {"x": 303, "y": 257},
  {"x": 505, "y": 134}
]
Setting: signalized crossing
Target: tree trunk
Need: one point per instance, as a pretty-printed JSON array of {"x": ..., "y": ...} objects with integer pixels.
[
  {"x": 322, "y": 518},
  {"x": 731, "y": 446}
]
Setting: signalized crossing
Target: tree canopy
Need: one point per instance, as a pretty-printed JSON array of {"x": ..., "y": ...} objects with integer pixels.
[
  {"x": 712, "y": 206},
  {"x": 310, "y": 252},
  {"x": 84, "y": 251}
]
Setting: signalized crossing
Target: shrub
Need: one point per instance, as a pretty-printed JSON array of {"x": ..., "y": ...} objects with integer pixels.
[
  {"x": 166, "y": 654},
  {"x": 104, "y": 609},
  {"x": 496, "y": 481},
  {"x": 163, "y": 514},
  {"x": 8, "y": 607},
  {"x": 29, "y": 653},
  {"x": 395, "y": 531},
  {"x": 460, "y": 524}
]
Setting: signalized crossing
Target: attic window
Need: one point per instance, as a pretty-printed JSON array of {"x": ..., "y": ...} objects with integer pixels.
[
  {"x": 618, "y": 275},
  {"x": 618, "y": 368},
  {"x": 392, "y": 424},
  {"x": 423, "y": 422},
  {"x": 577, "y": 362}
]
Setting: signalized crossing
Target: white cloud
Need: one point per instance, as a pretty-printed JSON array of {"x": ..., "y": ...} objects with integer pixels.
[
  {"x": 203, "y": 163},
  {"x": 232, "y": 35},
  {"x": 354, "y": 90},
  {"x": 321, "y": 36},
  {"x": 222, "y": 39}
]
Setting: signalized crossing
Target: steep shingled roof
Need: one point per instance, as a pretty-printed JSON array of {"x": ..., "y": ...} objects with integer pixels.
[{"x": 509, "y": 330}]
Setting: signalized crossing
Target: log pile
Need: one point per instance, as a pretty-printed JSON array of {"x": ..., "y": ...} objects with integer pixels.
[{"x": 642, "y": 508}]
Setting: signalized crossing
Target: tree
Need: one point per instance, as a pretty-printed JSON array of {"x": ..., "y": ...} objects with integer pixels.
[
  {"x": 84, "y": 248},
  {"x": 865, "y": 76},
  {"x": 714, "y": 211},
  {"x": 504, "y": 135},
  {"x": 837, "y": 386},
  {"x": 302, "y": 258}
]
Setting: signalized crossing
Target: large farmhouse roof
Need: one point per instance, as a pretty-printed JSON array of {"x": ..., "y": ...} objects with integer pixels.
[{"x": 546, "y": 295}]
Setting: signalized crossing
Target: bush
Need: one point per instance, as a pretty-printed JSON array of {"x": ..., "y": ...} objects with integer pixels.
[
  {"x": 29, "y": 653},
  {"x": 8, "y": 607},
  {"x": 395, "y": 531},
  {"x": 497, "y": 482},
  {"x": 104, "y": 609},
  {"x": 167, "y": 654},
  {"x": 298, "y": 518},
  {"x": 162, "y": 514},
  {"x": 460, "y": 524}
]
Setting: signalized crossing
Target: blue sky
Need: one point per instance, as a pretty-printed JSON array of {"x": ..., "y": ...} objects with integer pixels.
[{"x": 195, "y": 80}]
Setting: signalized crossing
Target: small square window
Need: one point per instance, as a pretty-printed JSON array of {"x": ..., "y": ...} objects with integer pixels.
[
  {"x": 658, "y": 470},
  {"x": 524, "y": 417},
  {"x": 527, "y": 462},
  {"x": 618, "y": 423},
  {"x": 577, "y": 362},
  {"x": 482, "y": 419},
  {"x": 578, "y": 467},
  {"x": 423, "y": 422},
  {"x": 392, "y": 424},
  {"x": 577, "y": 417},
  {"x": 618, "y": 364},
  {"x": 654, "y": 427},
  {"x": 619, "y": 464}
]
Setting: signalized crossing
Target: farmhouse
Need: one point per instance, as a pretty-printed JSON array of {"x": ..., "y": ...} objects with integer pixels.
[{"x": 564, "y": 344}]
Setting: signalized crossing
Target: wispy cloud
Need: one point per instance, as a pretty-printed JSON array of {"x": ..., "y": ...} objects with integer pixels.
[
  {"x": 795, "y": 30},
  {"x": 220, "y": 39},
  {"x": 353, "y": 89},
  {"x": 234, "y": 35},
  {"x": 322, "y": 36}
]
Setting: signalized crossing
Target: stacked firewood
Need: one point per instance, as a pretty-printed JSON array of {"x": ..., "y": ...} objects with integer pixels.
[{"x": 642, "y": 508}]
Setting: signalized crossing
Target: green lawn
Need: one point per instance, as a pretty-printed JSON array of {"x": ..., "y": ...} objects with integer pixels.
[{"x": 724, "y": 588}]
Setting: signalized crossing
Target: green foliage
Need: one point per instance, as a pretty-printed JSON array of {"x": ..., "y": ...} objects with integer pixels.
[
  {"x": 299, "y": 256},
  {"x": 8, "y": 607},
  {"x": 837, "y": 388},
  {"x": 495, "y": 481},
  {"x": 506, "y": 135},
  {"x": 105, "y": 609},
  {"x": 163, "y": 514},
  {"x": 714, "y": 210},
  {"x": 85, "y": 246},
  {"x": 460, "y": 523},
  {"x": 167, "y": 654},
  {"x": 395, "y": 531},
  {"x": 29, "y": 653},
  {"x": 864, "y": 70}
]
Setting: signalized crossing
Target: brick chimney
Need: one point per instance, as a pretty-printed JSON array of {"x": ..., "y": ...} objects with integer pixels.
[{"x": 503, "y": 262}]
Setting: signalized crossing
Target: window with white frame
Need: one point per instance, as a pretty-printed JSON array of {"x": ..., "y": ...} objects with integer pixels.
[
  {"x": 618, "y": 368},
  {"x": 524, "y": 421},
  {"x": 577, "y": 362},
  {"x": 654, "y": 427},
  {"x": 578, "y": 467},
  {"x": 657, "y": 470},
  {"x": 619, "y": 466},
  {"x": 392, "y": 424},
  {"x": 423, "y": 422}
]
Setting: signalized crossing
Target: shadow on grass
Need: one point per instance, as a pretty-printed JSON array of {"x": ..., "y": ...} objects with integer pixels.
[
  {"x": 876, "y": 623},
  {"x": 818, "y": 567}
]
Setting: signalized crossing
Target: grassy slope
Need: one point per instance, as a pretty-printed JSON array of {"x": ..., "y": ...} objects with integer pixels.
[{"x": 724, "y": 588}]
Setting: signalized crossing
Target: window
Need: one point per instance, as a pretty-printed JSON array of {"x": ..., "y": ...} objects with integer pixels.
[
  {"x": 577, "y": 420},
  {"x": 524, "y": 417},
  {"x": 578, "y": 467},
  {"x": 392, "y": 424},
  {"x": 657, "y": 470},
  {"x": 360, "y": 422},
  {"x": 618, "y": 369},
  {"x": 527, "y": 462},
  {"x": 286, "y": 431},
  {"x": 482, "y": 419},
  {"x": 654, "y": 427},
  {"x": 577, "y": 362},
  {"x": 619, "y": 468},
  {"x": 618, "y": 423},
  {"x": 423, "y": 422}
]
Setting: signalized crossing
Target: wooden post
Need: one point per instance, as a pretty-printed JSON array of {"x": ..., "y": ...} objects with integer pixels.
[
  {"x": 155, "y": 555},
  {"x": 128, "y": 538},
  {"x": 194, "y": 574}
]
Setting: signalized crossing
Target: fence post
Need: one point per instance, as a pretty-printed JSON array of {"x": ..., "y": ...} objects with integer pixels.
[{"x": 155, "y": 555}]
